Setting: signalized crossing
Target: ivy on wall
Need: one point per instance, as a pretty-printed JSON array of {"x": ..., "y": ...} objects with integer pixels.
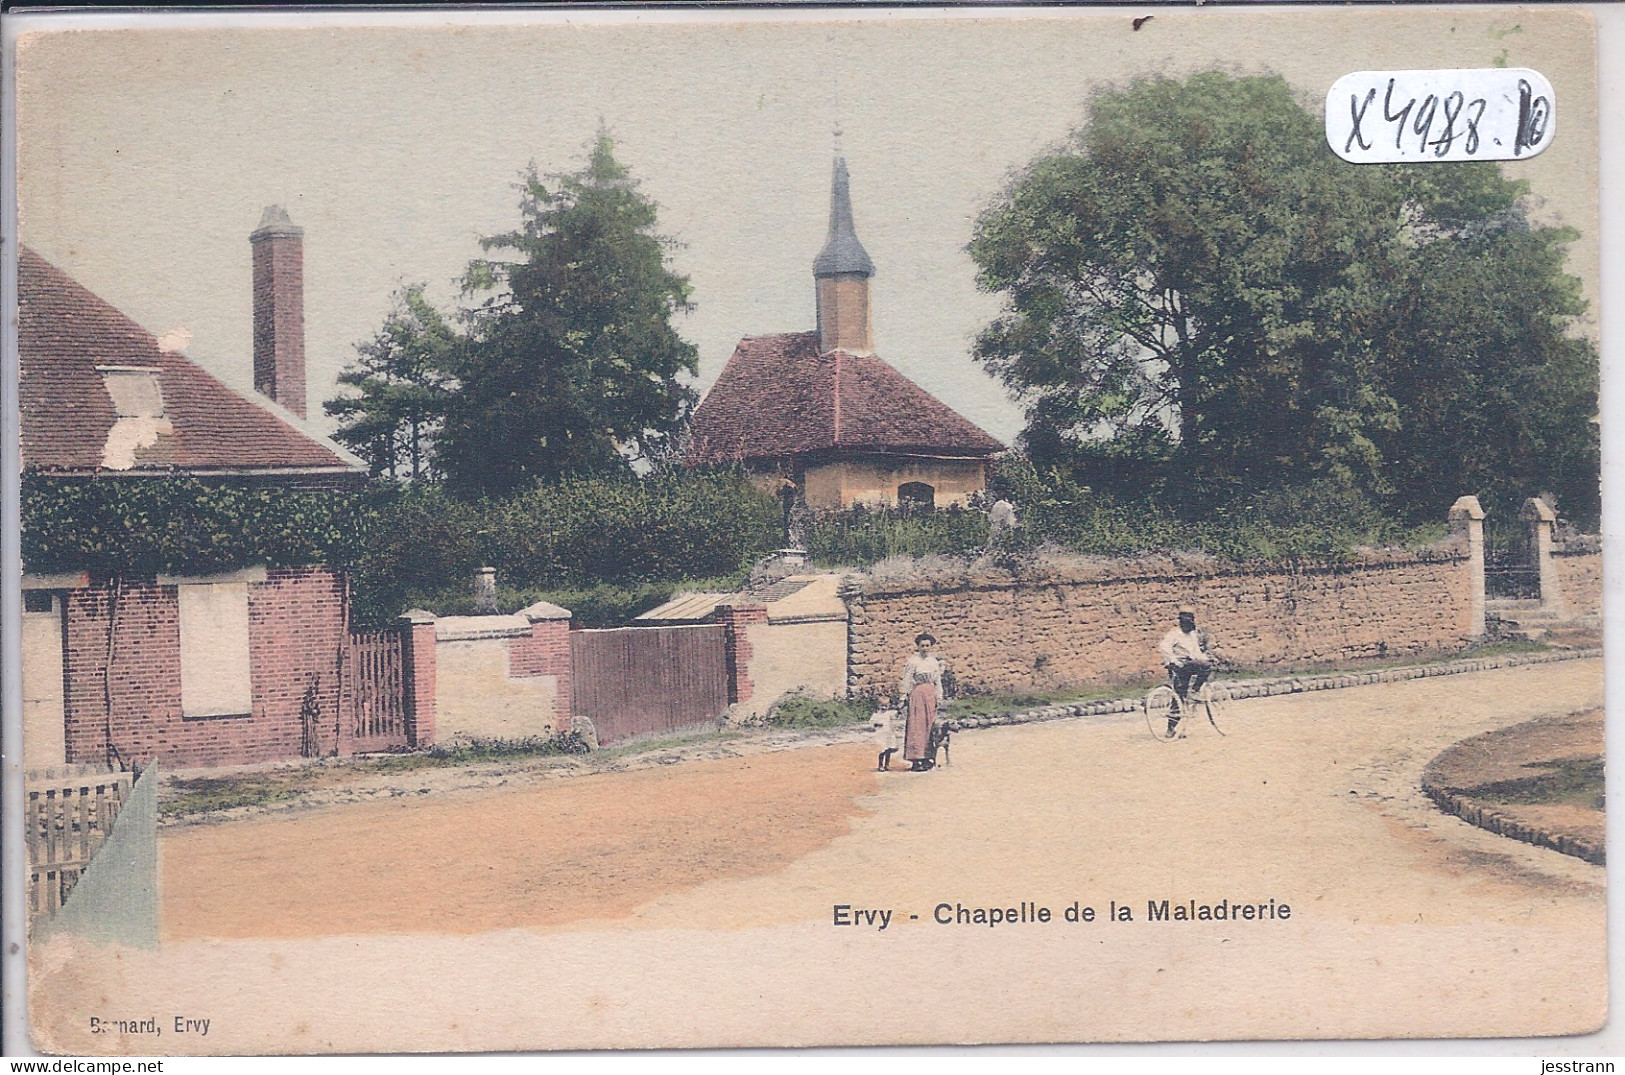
[{"x": 180, "y": 525}]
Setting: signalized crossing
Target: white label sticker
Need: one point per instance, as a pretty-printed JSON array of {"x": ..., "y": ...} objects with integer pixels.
[{"x": 1385, "y": 117}]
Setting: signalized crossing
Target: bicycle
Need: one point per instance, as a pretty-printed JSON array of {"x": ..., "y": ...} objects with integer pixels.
[{"x": 1161, "y": 703}]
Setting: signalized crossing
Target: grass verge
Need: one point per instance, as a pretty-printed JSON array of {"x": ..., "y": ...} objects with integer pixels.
[
  {"x": 1566, "y": 781},
  {"x": 800, "y": 711},
  {"x": 981, "y": 705},
  {"x": 190, "y": 796}
]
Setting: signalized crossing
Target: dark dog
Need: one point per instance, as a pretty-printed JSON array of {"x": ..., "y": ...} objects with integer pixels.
[
  {"x": 938, "y": 742},
  {"x": 941, "y": 737}
]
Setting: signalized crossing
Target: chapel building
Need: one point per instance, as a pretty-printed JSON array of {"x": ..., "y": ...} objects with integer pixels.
[{"x": 822, "y": 410}]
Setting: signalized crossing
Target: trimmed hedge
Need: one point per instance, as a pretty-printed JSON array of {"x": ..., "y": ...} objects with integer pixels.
[
  {"x": 673, "y": 523},
  {"x": 615, "y": 545},
  {"x": 865, "y": 536}
]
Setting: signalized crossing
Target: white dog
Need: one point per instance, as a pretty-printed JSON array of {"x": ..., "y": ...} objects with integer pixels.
[{"x": 886, "y": 730}]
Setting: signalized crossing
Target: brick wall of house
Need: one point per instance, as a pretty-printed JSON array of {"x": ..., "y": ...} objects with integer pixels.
[
  {"x": 296, "y": 625},
  {"x": 296, "y": 621},
  {"x": 1105, "y": 628}
]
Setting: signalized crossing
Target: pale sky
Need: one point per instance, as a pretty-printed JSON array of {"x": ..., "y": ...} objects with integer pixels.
[{"x": 147, "y": 155}]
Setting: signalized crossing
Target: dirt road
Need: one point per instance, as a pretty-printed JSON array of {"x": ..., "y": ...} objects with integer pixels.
[
  {"x": 1403, "y": 920},
  {"x": 539, "y": 857}
]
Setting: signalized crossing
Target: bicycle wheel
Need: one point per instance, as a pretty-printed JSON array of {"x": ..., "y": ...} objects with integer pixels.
[
  {"x": 1158, "y": 709},
  {"x": 1212, "y": 702}
]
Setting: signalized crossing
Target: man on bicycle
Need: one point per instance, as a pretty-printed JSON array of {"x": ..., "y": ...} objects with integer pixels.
[{"x": 1185, "y": 654}]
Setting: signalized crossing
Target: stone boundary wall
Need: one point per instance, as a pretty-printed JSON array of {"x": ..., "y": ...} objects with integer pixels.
[
  {"x": 1579, "y": 580},
  {"x": 1267, "y": 688},
  {"x": 1049, "y": 635}
]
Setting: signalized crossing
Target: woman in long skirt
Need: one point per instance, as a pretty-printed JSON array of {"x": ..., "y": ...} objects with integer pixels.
[{"x": 920, "y": 691}]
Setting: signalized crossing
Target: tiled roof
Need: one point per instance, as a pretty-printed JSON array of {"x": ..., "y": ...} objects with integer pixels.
[
  {"x": 779, "y": 397},
  {"x": 66, "y": 335}
]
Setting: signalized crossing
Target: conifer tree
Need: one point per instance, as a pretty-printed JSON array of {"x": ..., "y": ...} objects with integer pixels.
[
  {"x": 571, "y": 365},
  {"x": 401, "y": 389}
]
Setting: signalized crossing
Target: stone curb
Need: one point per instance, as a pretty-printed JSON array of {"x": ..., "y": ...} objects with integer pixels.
[
  {"x": 1474, "y": 813},
  {"x": 1265, "y": 688}
]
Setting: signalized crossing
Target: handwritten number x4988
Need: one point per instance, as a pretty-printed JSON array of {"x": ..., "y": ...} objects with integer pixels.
[{"x": 1421, "y": 123}]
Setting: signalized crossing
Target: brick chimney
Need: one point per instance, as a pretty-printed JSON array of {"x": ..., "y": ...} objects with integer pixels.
[
  {"x": 279, "y": 309},
  {"x": 842, "y": 272}
]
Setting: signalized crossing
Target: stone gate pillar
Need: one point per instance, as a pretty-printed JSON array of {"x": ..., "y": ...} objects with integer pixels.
[
  {"x": 485, "y": 591},
  {"x": 1541, "y": 520},
  {"x": 1467, "y": 519}
]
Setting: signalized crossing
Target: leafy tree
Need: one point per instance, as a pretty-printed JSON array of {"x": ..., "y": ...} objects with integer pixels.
[
  {"x": 572, "y": 365},
  {"x": 1203, "y": 300},
  {"x": 1494, "y": 393},
  {"x": 401, "y": 389}
]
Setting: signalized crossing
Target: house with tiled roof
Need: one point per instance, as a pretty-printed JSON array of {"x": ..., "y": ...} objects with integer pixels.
[
  {"x": 822, "y": 410},
  {"x": 101, "y": 397},
  {"x": 190, "y": 669}
]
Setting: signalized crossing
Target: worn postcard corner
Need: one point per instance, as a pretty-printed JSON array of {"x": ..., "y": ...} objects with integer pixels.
[{"x": 770, "y": 528}]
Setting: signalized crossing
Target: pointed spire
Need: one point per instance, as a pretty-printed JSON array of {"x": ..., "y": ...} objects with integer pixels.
[{"x": 842, "y": 252}]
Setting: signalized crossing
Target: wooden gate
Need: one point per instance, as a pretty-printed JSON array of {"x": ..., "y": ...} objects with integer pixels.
[
  {"x": 636, "y": 681},
  {"x": 372, "y": 690}
]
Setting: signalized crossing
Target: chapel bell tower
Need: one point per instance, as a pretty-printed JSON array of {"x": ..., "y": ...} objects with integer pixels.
[{"x": 842, "y": 272}]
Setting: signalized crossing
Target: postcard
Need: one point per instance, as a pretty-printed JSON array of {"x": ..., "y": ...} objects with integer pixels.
[{"x": 650, "y": 528}]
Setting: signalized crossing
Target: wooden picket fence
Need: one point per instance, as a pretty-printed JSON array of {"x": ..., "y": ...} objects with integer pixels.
[{"x": 68, "y": 815}]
